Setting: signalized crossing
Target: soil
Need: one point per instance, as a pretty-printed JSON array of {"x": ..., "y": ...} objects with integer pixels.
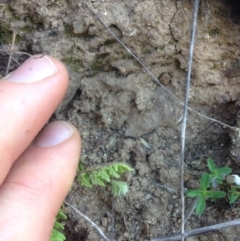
[{"x": 117, "y": 107}]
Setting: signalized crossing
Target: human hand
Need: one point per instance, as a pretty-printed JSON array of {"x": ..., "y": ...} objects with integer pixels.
[{"x": 35, "y": 174}]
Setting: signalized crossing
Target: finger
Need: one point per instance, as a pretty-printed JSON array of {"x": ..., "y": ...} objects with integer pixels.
[
  {"x": 37, "y": 184},
  {"x": 28, "y": 97}
]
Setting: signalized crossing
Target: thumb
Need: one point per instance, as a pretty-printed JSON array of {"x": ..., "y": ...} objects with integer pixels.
[{"x": 37, "y": 184}]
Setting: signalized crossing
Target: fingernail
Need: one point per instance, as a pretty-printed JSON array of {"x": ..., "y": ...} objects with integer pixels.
[
  {"x": 54, "y": 134},
  {"x": 36, "y": 68}
]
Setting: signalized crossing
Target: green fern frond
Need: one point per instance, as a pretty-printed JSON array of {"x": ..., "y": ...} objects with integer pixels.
[
  {"x": 100, "y": 176},
  {"x": 119, "y": 188},
  {"x": 61, "y": 215},
  {"x": 96, "y": 180},
  {"x": 57, "y": 236},
  {"x": 58, "y": 227},
  {"x": 104, "y": 175},
  {"x": 122, "y": 167},
  {"x": 80, "y": 166},
  {"x": 113, "y": 171},
  {"x": 84, "y": 180}
]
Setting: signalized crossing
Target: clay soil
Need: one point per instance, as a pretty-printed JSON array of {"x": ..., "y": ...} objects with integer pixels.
[{"x": 118, "y": 107}]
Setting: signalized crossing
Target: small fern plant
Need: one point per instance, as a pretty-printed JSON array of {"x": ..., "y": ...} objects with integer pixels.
[
  {"x": 102, "y": 175},
  {"x": 57, "y": 232},
  {"x": 98, "y": 176}
]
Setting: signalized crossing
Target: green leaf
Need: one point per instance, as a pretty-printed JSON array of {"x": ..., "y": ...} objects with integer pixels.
[
  {"x": 57, "y": 236},
  {"x": 194, "y": 193},
  {"x": 103, "y": 175},
  {"x": 233, "y": 194},
  {"x": 122, "y": 167},
  {"x": 201, "y": 204},
  {"x": 211, "y": 165},
  {"x": 84, "y": 180},
  {"x": 119, "y": 188},
  {"x": 96, "y": 180},
  {"x": 61, "y": 215},
  {"x": 81, "y": 167},
  {"x": 204, "y": 181},
  {"x": 207, "y": 194},
  {"x": 218, "y": 194},
  {"x": 113, "y": 172},
  {"x": 233, "y": 199},
  {"x": 224, "y": 171},
  {"x": 58, "y": 225}
]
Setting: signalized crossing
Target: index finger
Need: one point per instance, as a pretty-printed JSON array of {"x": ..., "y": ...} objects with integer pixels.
[{"x": 28, "y": 98}]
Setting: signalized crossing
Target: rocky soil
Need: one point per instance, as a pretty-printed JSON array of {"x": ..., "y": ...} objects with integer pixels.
[{"x": 118, "y": 107}]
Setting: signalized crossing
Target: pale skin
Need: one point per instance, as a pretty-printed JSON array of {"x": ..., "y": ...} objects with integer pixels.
[{"x": 36, "y": 170}]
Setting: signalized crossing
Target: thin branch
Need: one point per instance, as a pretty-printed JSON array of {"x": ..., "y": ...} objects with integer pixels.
[
  {"x": 23, "y": 53},
  {"x": 113, "y": 218},
  {"x": 10, "y": 53},
  {"x": 169, "y": 189},
  {"x": 88, "y": 220},
  {"x": 185, "y": 112},
  {"x": 204, "y": 230},
  {"x": 189, "y": 212},
  {"x": 149, "y": 72}
]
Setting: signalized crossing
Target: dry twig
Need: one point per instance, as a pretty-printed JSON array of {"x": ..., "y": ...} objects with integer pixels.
[
  {"x": 185, "y": 112},
  {"x": 10, "y": 52},
  {"x": 204, "y": 230},
  {"x": 88, "y": 220}
]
